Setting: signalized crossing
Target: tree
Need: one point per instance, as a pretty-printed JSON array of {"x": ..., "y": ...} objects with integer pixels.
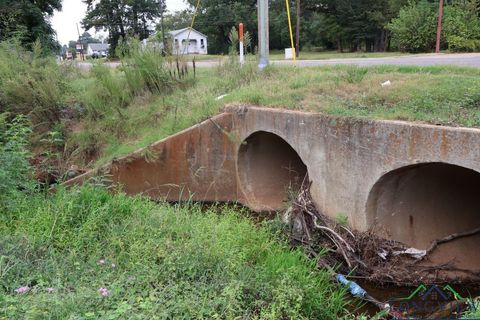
[
  {"x": 86, "y": 37},
  {"x": 123, "y": 18},
  {"x": 28, "y": 21},
  {"x": 217, "y": 17},
  {"x": 72, "y": 48},
  {"x": 348, "y": 24},
  {"x": 176, "y": 20},
  {"x": 414, "y": 30}
]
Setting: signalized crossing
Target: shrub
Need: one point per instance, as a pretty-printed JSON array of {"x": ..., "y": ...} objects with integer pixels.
[
  {"x": 414, "y": 30},
  {"x": 461, "y": 29}
]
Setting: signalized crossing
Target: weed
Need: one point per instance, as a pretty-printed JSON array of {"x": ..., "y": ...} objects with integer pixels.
[
  {"x": 355, "y": 74},
  {"x": 15, "y": 171},
  {"x": 31, "y": 84},
  {"x": 146, "y": 69},
  {"x": 341, "y": 219},
  {"x": 85, "y": 253}
]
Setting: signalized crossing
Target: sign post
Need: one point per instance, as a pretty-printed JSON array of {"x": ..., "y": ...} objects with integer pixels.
[{"x": 240, "y": 37}]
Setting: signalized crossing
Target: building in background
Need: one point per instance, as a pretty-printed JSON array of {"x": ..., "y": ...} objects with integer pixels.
[
  {"x": 97, "y": 50},
  {"x": 188, "y": 41}
]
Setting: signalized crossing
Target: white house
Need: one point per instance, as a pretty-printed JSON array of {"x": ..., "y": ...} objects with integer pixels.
[
  {"x": 197, "y": 41},
  {"x": 100, "y": 49}
]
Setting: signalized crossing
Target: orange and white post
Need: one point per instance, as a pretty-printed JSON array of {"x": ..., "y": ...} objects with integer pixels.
[{"x": 240, "y": 38}]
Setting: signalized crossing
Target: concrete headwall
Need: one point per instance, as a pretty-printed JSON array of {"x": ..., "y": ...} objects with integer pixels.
[
  {"x": 414, "y": 182},
  {"x": 195, "y": 164}
]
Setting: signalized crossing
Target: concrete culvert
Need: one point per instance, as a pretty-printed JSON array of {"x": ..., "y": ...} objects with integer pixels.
[
  {"x": 268, "y": 170},
  {"x": 421, "y": 203}
]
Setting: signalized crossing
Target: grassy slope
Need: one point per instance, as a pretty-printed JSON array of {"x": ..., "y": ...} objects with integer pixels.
[
  {"x": 170, "y": 262},
  {"x": 438, "y": 95}
]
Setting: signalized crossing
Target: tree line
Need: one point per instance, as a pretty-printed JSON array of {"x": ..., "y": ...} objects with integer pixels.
[{"x": 343, "y": 25}]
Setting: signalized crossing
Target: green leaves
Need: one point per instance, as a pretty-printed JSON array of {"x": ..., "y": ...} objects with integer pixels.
[
  {"x": 29, "y": 21},
  {"x": 14, "y": 166},
  {"x": 414, "y": 30},
  {"x": 122, "y": 18}
]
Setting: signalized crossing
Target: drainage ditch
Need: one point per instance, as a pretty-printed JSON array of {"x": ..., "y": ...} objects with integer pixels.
[{"x": 418, "y": 257}]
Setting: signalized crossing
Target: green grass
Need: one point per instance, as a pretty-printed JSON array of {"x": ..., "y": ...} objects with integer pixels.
[
  {"x": 322, "y": 55},
  {"x": 305, "y": 55},
  {"x": 157, "y": 261},
  {"x": 437, "y": 95}
]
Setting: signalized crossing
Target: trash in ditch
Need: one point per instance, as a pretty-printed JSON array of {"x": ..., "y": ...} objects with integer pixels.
[
  {"x": 415, "y": 253},
  {"x": 386, "y": 83},
  {"x": 354, "y": 289},
  {"x": 358, "y": 292},
  {"x": 221, "y": 97},
  {"x": 365, "y": 255}
]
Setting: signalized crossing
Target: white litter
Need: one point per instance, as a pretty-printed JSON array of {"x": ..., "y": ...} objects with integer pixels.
[
  {"x": 221, "y": 97},
  {"x": 386, "y": 83},
  {"x": 415, "y": 253},
  {"x": 383, "y": 254}
]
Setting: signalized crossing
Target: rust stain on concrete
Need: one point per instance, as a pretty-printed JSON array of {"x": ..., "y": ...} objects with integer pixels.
[{"x": 389, "y": 172}]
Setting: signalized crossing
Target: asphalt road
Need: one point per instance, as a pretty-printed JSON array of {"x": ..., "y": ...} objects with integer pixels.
[
  {"x": 463, "y": 59},
  {"x": 460, "y": 59}
]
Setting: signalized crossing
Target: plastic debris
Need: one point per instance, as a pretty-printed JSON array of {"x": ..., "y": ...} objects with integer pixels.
[
  {"x": 386, "y": 83},
  {"x": 221, "y": 97},
  {"x": 353, "y": 288},
  {"x": 383, "y": 254},
  {"x": 414, "y": 253}
]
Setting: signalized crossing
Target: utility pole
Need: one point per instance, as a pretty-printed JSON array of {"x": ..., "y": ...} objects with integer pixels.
[
  {"x": 263, "y": 48},
  {"x": 297, "y": 31},
  {"x": 439, "y": 25},
  {"x": 161, "y": 24},
  {"x": 80, "y": 39}
]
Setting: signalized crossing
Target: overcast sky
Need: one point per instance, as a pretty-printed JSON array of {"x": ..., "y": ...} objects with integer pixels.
[{"x": 65, "y": 22}]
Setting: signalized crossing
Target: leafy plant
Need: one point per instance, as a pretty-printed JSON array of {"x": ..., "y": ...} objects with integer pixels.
[
  {"x": 461, "y": 29},
  {"x": 414, "y": 29},
  {"x": 233, "y": 40},
  {"x": 15, "y": 171}
]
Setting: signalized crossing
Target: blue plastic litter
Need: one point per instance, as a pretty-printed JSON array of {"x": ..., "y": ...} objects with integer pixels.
[{"x": 354, "y": 288}]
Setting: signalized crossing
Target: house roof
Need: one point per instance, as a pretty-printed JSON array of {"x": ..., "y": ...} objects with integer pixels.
[
  {"x": 99, "y": 46},
  {"x": 174, "y": 33}
]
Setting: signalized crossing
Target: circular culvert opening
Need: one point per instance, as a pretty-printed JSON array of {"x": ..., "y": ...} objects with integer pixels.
[
  {"x": 269, "y": 169},
  {"x": 422, "y": 203}
]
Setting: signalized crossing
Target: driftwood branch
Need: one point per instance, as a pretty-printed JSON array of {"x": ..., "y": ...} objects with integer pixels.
[{"x": 453, "y": 236}]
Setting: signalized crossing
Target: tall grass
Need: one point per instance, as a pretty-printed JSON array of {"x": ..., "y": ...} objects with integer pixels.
[
  {"x": 145, "y": 68},
  {"x": 31, "y": 84},
  {"x": 106, "y": 93},
  {"x": 156, "y": 261}
]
